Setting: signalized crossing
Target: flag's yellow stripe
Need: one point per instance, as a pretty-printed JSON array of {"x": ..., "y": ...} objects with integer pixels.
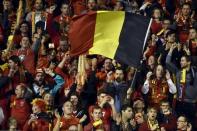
[{"x": 107, "y": 32}]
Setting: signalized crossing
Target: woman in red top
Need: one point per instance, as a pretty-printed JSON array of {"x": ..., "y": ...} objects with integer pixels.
[{"x": 157, "y": 87}]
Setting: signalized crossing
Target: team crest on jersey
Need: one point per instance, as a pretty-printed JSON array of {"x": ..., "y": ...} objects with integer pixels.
[{"x": 22, "y": 103}]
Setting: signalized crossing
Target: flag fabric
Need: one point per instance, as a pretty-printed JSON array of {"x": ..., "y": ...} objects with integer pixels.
[{"x": 114, "y": 34}]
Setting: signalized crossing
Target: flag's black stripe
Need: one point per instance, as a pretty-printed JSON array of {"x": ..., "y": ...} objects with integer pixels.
[{"x": 131, "y": 39}]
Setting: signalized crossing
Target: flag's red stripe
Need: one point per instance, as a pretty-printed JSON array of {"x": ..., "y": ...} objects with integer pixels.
[{"x": 81, "y": 33}]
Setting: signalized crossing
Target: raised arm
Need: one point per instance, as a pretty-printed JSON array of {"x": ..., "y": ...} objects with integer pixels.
[
  {"x": 57, "y": 78},
  {"x": 172, "y": 87},
  {"x": 63, "y": 61},
  {"x": 169, "y": 65},
  {"x": 145, "y": 87},
  {"x": 57, "y": 122},
  {"x": 35, "y": 46}
]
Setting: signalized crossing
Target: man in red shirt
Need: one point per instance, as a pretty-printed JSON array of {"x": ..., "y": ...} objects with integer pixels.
[
  {"x": 106, "y": 103},
  {"x": 65, "y": 121},
  {"x": 20, "y": 109},
  {"x": 184, "y": 21},
  {"x": 26, "y": 55},
  {"x": 97, "y": 122}
]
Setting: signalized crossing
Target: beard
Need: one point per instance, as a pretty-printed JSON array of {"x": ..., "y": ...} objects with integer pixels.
[
  {"x": 39, "y": 83},
  {"x": 118, "y": 79}
]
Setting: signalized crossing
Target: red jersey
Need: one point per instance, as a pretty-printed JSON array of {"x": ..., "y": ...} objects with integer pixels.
[
  {"x": 38, "y": 125},
  {"x": 28, "y": 58},
  {"x": 156, "y": 27},
  {"x": 20, "y": 110},
  {"x": 106, "y": 111},
  {"x": 65, "y": 123}
]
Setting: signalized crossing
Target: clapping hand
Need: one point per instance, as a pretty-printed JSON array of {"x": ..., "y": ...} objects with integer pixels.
[
  {"x": 189, "y": 127},
  {"x": 110, "y": 100},
  {"x": 186, "y": 50},
  {"x": 118, "y": 119},
  {"x": 57, "y": 115},
  {"x": 83, "y": 118},
  {"x": 33, "y": 118},
  {"x": 173, "y": 46},
  {"x": 149, "y": 74},
  {"x": 110, "y": 77},
  {"x": 11, "y": 72},
  {"x": 167, "y": 75}
]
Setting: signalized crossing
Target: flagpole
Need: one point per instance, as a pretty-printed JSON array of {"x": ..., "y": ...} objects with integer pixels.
[
  {"x": 148, "y": 30},
  {"x": 133, "y": 80}
]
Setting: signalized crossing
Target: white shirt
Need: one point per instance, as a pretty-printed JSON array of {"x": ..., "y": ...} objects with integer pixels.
[
  {"x": 172, "y": 87},
  {"x": 1, "y": 115}
]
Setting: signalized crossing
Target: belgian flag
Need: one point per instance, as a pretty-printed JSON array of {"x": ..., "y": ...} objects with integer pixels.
[{"x": 114, "y": 34}]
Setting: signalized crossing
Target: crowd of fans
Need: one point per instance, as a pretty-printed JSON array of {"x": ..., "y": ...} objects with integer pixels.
[{"x": 42, "y": 90}]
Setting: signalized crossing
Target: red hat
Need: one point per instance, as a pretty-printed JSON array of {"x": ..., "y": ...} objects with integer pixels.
[{"x": 40, "y": 103}]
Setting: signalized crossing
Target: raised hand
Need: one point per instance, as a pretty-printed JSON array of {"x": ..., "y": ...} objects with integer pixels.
[
  {"x": 189, "y": 127},
  {"x": 149, "y": 74},
  {"x": 186, "y": 50},
  {"x": 11, "y": 72},
  {"x": 133, "y": 123},
  {"x": 167, "y": 75},
  {"x": 173, "y": 46},
  {"x": 129, "y": 92},
  {"x": 57, "y": 115},
  {"x": 110, "y": 77},
  {"x": 33, "y": 118},
  {"x": 41, "y": 90},
  {"x": 83, "y": 118},
  {"x": 118, "y": 119},
  {"x": 110, "y": 100}
]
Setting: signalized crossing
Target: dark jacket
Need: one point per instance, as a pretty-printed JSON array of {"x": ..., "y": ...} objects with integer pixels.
[
  {"x": 191, "y": 81},
  {"x": 119, "y": 92}
]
